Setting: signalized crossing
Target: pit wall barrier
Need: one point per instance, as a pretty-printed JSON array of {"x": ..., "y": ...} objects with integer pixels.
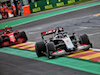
[
  {"x": 43, "y": 5},
  {"x": 49, "y": 4},
  {"x": 26, "y": 10}
]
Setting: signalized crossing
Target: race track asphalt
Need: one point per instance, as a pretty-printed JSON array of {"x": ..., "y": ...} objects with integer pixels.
[{"x": 16, "y": 65}]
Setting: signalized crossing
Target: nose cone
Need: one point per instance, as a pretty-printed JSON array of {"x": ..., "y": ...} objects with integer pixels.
[
  {"x": 59, "y": 52},
  {"x": 71, "y": 49}
]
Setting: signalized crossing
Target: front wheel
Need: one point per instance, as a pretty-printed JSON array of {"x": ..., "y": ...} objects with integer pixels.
[
  {"x": 40, "y": 47},
  {"x": 84, "y": 39},
  {"x": 1, "y": 41},
  {"x": 23, "y": 35},
  {"x": 50, "y": 49}
]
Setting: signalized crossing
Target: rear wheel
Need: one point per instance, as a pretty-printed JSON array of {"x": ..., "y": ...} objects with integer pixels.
[
  {"x": 1, "y": 41},
  {"x": 50, "y": 49},
  {"x": 40, "y": 48},
  {"x": 84, "y": 39},
  {"x": 23, "y": 35}
]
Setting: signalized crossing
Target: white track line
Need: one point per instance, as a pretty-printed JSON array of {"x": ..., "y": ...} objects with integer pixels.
[
  {"x": 94, "y": 49},
  {"x": 31, "y": 42},
  {"x": 93, "y": 34}
]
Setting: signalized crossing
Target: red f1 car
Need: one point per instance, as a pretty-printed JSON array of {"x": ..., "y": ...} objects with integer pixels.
[{"x": 9, "y": 37}]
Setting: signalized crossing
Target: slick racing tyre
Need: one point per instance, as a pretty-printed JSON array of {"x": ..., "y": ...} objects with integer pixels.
[
  {"x": 84, "y": 39},
  {"x": 40, "y": 47},
  {"x": 50, "y": 49},
  {"x": 23, "y": 35},
  {"x": 1, "y": 41}
]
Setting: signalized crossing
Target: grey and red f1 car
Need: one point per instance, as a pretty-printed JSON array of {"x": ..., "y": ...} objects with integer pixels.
[
  {"x": 9, "y": 37},
  {"x": 61, "y": 43}
]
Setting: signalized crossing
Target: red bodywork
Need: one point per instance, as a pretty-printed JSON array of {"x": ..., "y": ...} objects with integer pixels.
[
  {"x": 51, "y": 31},
  {"x": 10, "y": 34}
]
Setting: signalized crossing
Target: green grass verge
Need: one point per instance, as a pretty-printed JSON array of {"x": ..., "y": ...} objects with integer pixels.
[{"x": 83, "y": 65}]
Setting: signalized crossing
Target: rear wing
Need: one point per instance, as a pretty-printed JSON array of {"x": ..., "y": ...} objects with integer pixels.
[
  {"x": 6, "y": 28},
  {"x": 52, "y": 31}
]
